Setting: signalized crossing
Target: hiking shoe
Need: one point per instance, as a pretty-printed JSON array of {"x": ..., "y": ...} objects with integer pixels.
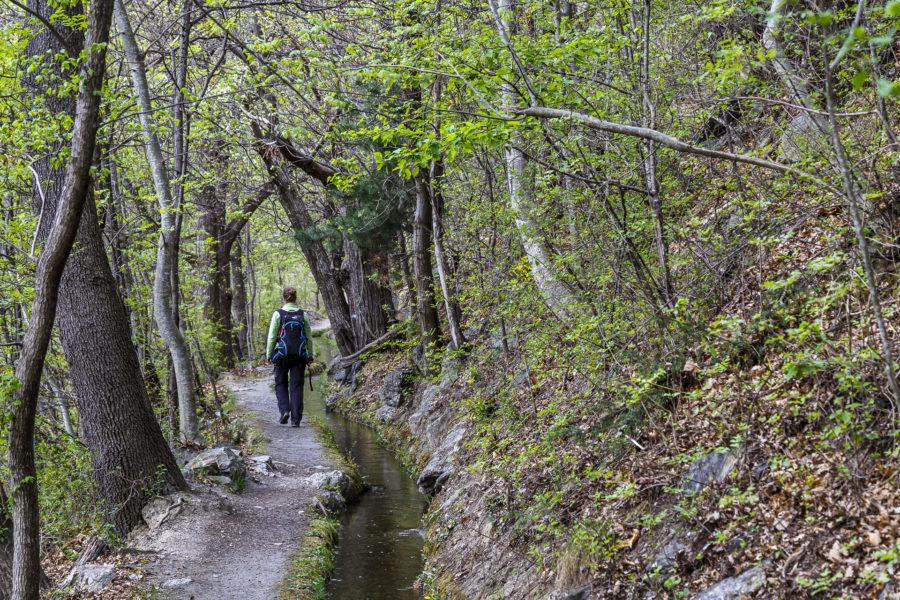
[
  {"x": 284, "y": 418},
  {"x": 295, "y": 424}
]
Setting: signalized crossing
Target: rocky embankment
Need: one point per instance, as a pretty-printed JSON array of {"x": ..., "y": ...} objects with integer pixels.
[
  {"x": 475, "y": 548},
  {"x": 467, "y": 556}
]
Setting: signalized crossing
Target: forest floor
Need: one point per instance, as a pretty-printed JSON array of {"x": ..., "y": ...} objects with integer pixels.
[{"x": 240, "y": 545}]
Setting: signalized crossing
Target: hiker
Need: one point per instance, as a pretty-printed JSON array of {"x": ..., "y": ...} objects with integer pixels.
[{"x": 289, "y": 347}]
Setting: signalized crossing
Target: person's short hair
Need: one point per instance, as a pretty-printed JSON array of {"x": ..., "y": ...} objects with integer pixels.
[{"x": 289, "y": 294}]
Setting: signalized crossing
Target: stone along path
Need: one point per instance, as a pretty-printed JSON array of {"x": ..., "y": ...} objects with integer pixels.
[{"x": 220, "y": 545}]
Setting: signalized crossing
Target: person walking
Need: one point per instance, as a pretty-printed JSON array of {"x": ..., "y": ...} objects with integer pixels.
[{"x": 289, "y": 348}]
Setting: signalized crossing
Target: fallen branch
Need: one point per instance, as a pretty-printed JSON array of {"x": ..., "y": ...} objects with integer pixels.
[{"x": 345, "y": 361}]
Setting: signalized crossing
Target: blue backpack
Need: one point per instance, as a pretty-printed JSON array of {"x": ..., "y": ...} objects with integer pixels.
[{"x": 291, "y": 337}]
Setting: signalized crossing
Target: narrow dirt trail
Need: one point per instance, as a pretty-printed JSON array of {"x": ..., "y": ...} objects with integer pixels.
[{"x": 240, "y": 545}]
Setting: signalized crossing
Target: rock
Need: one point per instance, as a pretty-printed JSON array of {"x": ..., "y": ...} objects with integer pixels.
[
  {"x": 735, "y": 588},
  {"x": 418, "y": 357},
  {"x": 579, "y": 594},
  {"x": 449, "y": 370},
  {"x": 159, "y": 509},
  {"x": 90, "y": 578},
  {"x": 174, "y": 583},
  {"x": 434, "y": 476},
  {"x": 220, "y": 479},
  {"x": 263, "y": 464},
  {"x": 331, "y": 503},
  {"x": 759, "y": 471},
  {"x": 673, "y": 552},
  {"x": 391, "y": 393},
  {"x": 426, "y": 406},
  {"x": 440, "y": 468},
  {"x": 429, "y": 396},
  {"x": 735, "y": 219},
  {"x": 497, "y": 341},
  {"x": 184, "y": 455},
  {"x": 331, "y": 402},
  {"x": 715, "y": 466},
  {"x": 453, "y": 441},
  {"x": 804, "y": 135},
  {"x": 220, "y": 460},
  {"x": 737, "y": 545},
  {"x": 385, "y": 413},
  {"x": 331, "y": 480},
  {"x": 356, "y": 367},
  {"x": 521, "y": 377}
]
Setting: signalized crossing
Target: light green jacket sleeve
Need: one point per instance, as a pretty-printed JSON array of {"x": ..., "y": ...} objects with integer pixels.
[{"x": 273, "y": 334}]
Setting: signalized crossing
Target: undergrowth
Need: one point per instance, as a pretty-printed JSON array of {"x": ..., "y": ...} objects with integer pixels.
[{"x": 314, "y": 562}]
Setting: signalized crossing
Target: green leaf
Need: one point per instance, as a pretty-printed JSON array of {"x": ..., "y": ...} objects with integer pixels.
[
  {"x": 859, "y": 80},
  {"x": 888, "y": 89},
  {"x": 892, "y": 9}
]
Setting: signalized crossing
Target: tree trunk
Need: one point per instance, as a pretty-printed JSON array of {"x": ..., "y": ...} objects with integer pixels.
[
  {"x": 406, "y": 274},
  {"x": 316, "y": 256},
  {"x": 427, "y": 312},
  {"x": 239, "y": 285},
  {"x": 166, "y": 261},
  {"x": 114, "y": 228},
  {"x": 26, "y": 569},
  {"x": 854, "y": 199},
  {"x": 667, "y": 291},
  {"x": 117, "y": 424},
  {"x": 217, "y": 303},
  {"x": 172, "y": 398},
  {"x": 437, "y": 218},
  {"x": 6, "y": 546},
  {"x": 251, "y": 293},
  {"x": 367, "y": 301},
  {"x": 555, "y": 293}
]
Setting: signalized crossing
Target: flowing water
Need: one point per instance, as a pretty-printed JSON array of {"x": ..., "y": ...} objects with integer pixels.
[{"x": 379, "y": 551}]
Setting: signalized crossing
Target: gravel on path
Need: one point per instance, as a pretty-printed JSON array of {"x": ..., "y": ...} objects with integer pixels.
[{"x": 238, "y": 546}]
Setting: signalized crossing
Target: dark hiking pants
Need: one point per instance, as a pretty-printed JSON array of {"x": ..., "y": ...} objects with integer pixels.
[{"x": 289, "y": 387}]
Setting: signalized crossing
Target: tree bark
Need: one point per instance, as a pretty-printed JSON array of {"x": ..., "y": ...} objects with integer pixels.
[
  {"x": 369, "y": 318},
  {"x": 117, "y": 424},
  {"x": 217, "y": 301},
  {"x": 454, "y": 313},
  {"x": 6, "y": 547},
  {"x": 165, "y": 258},
  {"x": 26, "y": 570},
  {"x": 240, "y": 302},
  {"x": 437, "y": 219},
  {"x": 429, "y": 321}
]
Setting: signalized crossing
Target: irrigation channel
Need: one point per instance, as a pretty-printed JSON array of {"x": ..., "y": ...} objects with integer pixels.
[{"x": 379, "y": 553}]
